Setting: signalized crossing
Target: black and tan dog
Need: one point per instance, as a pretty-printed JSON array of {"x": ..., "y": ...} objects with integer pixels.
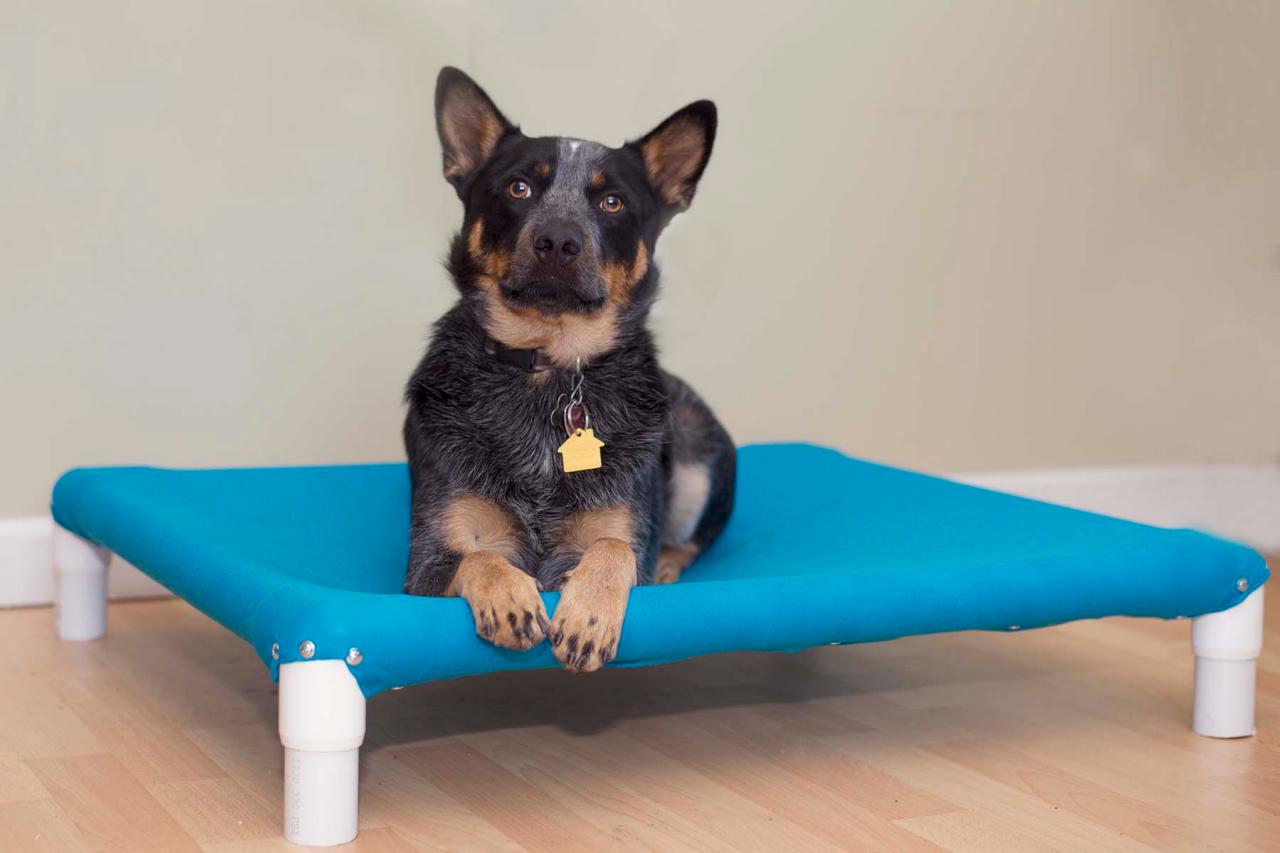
[{"x": 545, "y": 356}]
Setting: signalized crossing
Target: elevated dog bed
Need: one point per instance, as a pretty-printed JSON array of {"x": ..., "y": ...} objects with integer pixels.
[{"x": 306, "y": 564}]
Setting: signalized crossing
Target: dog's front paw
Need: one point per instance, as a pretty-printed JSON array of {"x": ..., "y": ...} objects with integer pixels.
[
  {"x": 504, "y": 601},
  {"x": 587, "y": 623}
]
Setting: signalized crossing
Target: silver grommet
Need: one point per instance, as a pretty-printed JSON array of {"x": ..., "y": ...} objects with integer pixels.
[
  {"x": 354, "y": 656},
  {"x": 307, "y": 649},
  {"x": 1243, "y": 584},
  {"x": 275, "y": 651}
]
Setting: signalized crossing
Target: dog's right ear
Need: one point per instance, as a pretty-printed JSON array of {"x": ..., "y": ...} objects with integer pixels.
[{"x": 469, "y": 125}]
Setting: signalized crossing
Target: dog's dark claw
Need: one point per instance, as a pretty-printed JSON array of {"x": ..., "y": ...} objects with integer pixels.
[{"x": 558, "y": 638}]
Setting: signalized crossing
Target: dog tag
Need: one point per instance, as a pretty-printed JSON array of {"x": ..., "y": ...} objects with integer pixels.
[{"x": 581, "y": 451}]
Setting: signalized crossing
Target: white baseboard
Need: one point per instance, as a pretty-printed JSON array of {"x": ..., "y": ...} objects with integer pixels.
[
  {"x": 1238, "y": 502},
  {"x": 26, "y": 566}
]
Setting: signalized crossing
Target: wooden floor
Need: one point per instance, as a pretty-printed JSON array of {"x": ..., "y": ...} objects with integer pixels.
[{"x": 162, "y": 737}]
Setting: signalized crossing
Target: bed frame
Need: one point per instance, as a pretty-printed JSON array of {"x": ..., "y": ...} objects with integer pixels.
[{"x": 322, "y": 701}]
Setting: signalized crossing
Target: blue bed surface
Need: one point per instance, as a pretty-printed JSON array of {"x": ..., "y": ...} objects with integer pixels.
[{"x": 821, "y": 549}]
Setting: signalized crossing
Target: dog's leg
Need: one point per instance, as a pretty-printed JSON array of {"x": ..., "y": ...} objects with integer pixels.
[
  {"x": 673, "y": 560},
  {"x": 468, "y": 548},
  {"x": 700, "y": 487},
  {"x": 504, "y": 600},
  {"x": 587, "y": 622}
]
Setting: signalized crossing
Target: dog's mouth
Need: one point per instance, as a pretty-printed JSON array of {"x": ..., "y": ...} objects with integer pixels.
[{"x": 553, "y": 296}]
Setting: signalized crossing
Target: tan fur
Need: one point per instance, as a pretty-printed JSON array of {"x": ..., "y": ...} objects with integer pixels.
[
  {"x": 583, "y": 529},
  {"x": 640, "y": 265},
  {"x": 597, "y": 180},
  {"x": 621, "y": 277},
  {"x": 542, "y": 170},
  {"x": 471, "y": 132},
  {"x": 471, "y": 524},
  {"x": 504, "y": 601},
  {"x": 587, "y": 622},
  {"x": 672, "y": 561},
  {"x": 565, "y": 339},
  {"x": 672, "y": 157},
  {"x": 494, "y": 262}
]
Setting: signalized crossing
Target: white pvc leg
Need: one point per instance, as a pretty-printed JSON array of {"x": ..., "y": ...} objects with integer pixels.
[
  {"x": 1227, "y": 645},
  {"x": 80, "y": 570},
  {"x": 322, "y": 714}
]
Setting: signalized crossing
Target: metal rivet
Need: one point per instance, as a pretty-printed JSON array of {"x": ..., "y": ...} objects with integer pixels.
[
  {"x": 1243, "y": 584},
  {"x": 306, "y": 648},
  {"x": 275, "y": 651},
  {"x": 354, "y": 656},
  {"x": 1015, "y": 627}
]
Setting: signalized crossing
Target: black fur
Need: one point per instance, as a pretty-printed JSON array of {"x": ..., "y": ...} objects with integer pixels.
[{"x": 479, "y": 426}]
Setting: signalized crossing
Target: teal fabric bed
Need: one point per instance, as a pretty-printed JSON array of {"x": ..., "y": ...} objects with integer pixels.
[{"x": 821, "y": 549}]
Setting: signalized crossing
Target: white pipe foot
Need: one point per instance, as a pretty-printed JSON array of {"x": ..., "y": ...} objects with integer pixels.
[
  {"x": 81, "y": 570},
  {"x": 322, "y": 719},
  {"x": 321, "y": 796},
  {"x": 1227, "y": 645}
]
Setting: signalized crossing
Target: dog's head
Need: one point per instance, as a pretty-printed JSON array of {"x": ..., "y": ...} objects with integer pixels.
[{"x": 558, "y": 233}]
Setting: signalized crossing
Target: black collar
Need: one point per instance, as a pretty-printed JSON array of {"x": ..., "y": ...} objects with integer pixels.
[{"x": 532, "y": 360}]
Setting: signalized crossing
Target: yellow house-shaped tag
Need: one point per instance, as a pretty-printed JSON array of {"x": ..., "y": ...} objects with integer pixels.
[{"x": 581, "y": 451}]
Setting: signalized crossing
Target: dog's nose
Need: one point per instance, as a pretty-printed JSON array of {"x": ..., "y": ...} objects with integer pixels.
[{"x": 558, "y": 243}]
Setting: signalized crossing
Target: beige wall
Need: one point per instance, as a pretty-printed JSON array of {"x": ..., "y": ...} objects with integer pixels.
[{"x": 951, "y": 236}]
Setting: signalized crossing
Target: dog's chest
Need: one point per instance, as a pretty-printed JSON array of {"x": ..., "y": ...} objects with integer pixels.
[
  {"x": 509, "y": 431},
  {"x": 530, "y": 457},
  {"x": 536, "y": 478}
]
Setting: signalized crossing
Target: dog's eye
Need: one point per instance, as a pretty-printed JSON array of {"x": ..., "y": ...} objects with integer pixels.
[
  {"x": 519, "y": 190},
  {"x": 611, "y": 204}
]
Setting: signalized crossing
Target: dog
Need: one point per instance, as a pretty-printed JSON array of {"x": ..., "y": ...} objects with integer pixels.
[{"x": 547, "y": 449}]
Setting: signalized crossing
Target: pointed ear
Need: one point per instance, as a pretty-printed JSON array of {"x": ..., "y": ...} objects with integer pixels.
[
  {"x": 468, "y": 123},
  {"x": 676, "y": 151}
]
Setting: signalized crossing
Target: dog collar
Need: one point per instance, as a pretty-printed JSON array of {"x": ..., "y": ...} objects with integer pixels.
[{"x": 532, "y": 360}]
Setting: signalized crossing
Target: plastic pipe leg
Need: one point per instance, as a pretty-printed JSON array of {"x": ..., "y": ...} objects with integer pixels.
[
  {"x": 1227, "y": 645},
  {"x": 80, "y": 570},
  {"x": 322, "y": 714}
]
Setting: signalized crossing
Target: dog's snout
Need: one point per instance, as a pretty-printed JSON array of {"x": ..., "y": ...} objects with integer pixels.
[{"x": 558, "y": 243}]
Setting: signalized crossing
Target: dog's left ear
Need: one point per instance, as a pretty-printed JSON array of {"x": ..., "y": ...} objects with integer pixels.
[
  {"x": 676, "y": 152},
  {"x": 469, "y": 125}
]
